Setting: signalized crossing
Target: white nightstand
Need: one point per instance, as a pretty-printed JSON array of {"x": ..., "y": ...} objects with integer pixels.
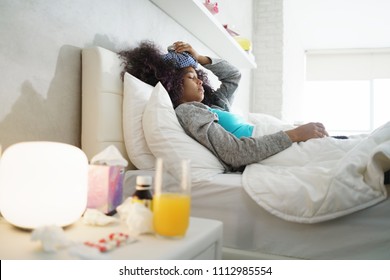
[{"x": 202, "y": 241}]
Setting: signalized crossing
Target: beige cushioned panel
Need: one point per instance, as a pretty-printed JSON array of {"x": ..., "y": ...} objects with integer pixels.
[{"x": 102, "y": 96}]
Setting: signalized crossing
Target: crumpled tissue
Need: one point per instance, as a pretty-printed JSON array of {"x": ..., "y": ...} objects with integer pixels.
[
  {"x": 105, "y": 180},
  {"x": 51, "y": 237},
  {"x": 137, "y": 217},
  {"x": 94, "y": 217},
  {"x": 109, "y": 156}
]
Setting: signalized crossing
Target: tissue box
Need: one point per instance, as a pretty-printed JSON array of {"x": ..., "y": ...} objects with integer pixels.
[{"x": 105, "y": 187}]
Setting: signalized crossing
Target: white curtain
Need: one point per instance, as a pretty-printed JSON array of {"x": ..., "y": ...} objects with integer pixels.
[{"x": 361, "y": 64}]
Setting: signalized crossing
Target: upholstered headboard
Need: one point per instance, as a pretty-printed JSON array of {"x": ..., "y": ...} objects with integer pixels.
[{"x": 102, "y": 97}]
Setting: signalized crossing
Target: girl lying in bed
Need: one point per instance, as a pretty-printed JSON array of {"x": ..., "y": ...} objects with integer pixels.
[{"x": 203, "y": 112}]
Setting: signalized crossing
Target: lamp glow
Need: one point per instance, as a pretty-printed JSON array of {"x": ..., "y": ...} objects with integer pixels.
[{"x": 43, "y": 183}]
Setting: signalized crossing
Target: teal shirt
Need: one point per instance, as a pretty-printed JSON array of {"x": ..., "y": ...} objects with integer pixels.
[{"x": 233, "y": 123}]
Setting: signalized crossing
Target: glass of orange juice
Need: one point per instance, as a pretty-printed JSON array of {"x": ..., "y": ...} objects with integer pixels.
[{"x": 172, "y": 199}]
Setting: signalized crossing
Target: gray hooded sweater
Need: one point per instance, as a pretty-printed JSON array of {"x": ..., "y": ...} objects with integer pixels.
[{"x": 202, "y": 125}]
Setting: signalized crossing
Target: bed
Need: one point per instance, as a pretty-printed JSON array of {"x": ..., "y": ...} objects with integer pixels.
[{"x": 140, "y": 122}]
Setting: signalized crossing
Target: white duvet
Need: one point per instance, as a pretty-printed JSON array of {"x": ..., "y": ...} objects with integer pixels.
[{"x": 322, "y": 179}]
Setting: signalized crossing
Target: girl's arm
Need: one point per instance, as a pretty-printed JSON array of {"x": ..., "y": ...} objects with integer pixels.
[{"x": 234, "y": 153}]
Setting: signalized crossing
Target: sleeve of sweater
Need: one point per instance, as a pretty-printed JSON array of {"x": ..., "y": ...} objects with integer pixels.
[
  {"x": 233, "y": 152},
  {"x": 229, "y": 76}
]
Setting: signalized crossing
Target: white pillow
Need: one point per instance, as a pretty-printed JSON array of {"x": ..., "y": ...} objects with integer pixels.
[
  {"x": 267, "y": 124},
  {"x": 167, "y": 139},
  {"x": 135, "y": 96}
]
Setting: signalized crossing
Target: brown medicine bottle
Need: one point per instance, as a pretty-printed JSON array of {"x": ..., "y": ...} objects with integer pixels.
[{"x": 143, "y": 193}]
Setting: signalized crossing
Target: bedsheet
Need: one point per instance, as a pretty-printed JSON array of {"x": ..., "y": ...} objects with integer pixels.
[
  {"x": 322, "y": 179},
  {"x": 246, "y": 226}
]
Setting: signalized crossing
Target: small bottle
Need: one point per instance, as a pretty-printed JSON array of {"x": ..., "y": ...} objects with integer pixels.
[{"x": 143, "y": 192}]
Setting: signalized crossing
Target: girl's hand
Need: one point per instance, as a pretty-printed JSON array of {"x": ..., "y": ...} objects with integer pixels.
[
  {"x": 184, "y": 47},
  {"x": 307, "y": 131}
]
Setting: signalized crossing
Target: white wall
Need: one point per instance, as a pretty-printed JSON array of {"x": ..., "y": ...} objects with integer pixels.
[
  {"x": 40, "y": 63},
  {"x": 268, "y": 50}
]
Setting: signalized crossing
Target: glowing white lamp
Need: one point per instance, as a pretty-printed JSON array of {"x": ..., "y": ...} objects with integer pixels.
[{"x": 43, "y": 183}]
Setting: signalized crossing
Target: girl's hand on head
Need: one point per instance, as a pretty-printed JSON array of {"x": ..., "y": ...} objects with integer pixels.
[
  {"x": 185, "y": 47},
  {"x": 307, "y": 131}
]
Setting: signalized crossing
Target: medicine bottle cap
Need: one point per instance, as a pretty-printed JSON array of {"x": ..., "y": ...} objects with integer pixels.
[{"x": 144, "y": 180}]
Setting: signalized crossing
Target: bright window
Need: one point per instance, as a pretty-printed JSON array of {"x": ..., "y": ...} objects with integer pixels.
[{"x": 348, "y": 91}]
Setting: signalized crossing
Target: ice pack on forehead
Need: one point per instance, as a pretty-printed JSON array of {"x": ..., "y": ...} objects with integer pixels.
[{"x": 180, "y": 60}]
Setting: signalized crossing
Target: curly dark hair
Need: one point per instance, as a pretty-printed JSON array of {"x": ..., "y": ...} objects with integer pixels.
[{"x": 146, "y": 63}]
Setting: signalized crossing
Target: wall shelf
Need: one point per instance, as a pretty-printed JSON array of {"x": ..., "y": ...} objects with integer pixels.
[{"x": 195, "y": 17}]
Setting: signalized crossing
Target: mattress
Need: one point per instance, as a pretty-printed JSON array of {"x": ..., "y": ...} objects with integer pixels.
[{"x": 361, "y": 235}]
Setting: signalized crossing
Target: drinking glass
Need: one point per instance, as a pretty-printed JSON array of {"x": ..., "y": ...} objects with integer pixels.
[{"x": 172, "y": 199}]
